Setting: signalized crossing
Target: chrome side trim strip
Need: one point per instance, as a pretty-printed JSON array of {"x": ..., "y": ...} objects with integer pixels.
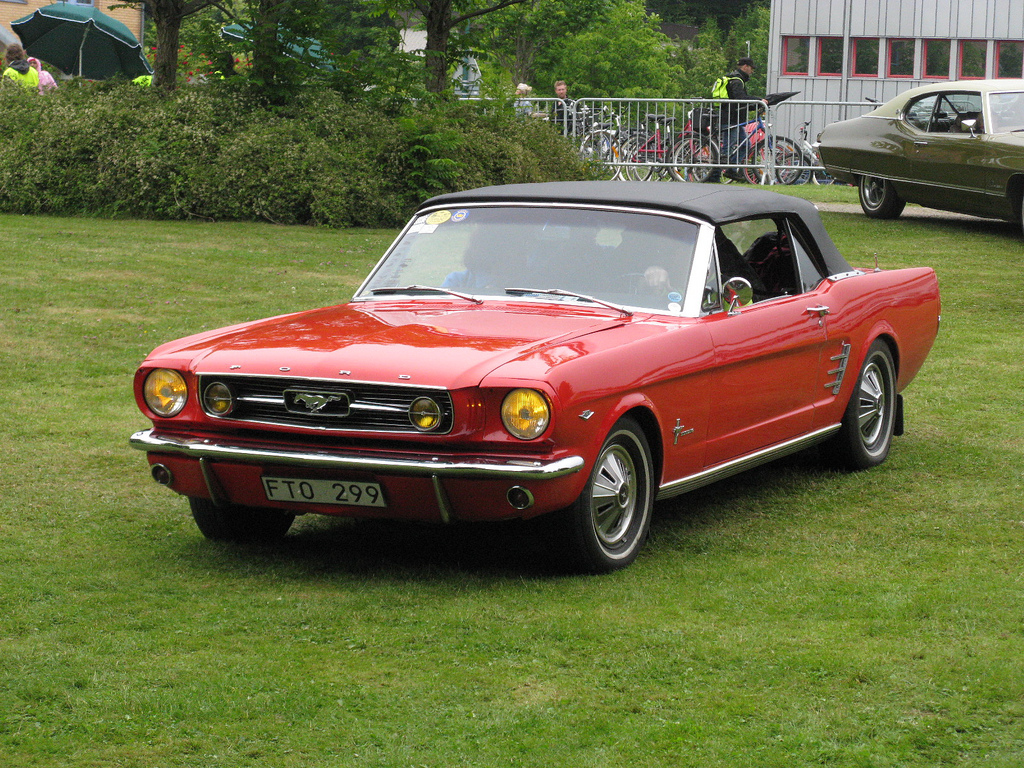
[
  {"x": 476, "y": 467},
  {"x": 742, "y": 464}
]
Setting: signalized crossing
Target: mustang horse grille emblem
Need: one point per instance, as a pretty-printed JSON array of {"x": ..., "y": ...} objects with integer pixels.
[{"x": 313, "y": 402}]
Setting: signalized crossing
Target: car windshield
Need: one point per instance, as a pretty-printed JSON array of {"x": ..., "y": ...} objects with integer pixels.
[
  {"x": 1007, "y": 109},
  {"x": 630, "y": 259}
]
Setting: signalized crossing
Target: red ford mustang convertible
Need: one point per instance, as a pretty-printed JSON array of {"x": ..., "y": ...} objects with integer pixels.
[{"x": 570, "y": 349}]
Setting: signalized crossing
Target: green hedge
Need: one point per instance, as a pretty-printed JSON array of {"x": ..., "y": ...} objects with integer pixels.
[{"x": 213, "y": 153}]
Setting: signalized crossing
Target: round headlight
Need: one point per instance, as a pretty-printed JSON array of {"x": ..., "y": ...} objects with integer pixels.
[
  {"x": 218, "y": 400},
  {"x": 424, "y": 414},
  {"x": 525, "y": 413},
  {"x": 165, "y": 392}
]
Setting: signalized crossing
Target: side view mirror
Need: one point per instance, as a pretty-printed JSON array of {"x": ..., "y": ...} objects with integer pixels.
[
  {"x": 738, "y": 292},
  {"x": 970, "y": 125}
]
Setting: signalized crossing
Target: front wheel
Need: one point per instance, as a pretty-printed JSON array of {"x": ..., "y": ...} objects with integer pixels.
[
  {"x": 230, "y": 522},
  {"x": 865, "y": 436},
  {"x": 878, "y": 198},
  {"x": 698, "y": 155},
  {"x": 756, "y": 171},
  {"x": 608, "y": 524}
]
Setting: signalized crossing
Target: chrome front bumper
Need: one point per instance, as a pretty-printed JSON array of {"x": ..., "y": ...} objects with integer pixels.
[{"x": 470, "y": 467}]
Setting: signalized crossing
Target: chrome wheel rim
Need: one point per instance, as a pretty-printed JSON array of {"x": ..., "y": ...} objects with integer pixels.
[
  {"x": 873, "y": 405},
  {"x": 613, "y": 496},
  {"x": 874, "y": 190}
]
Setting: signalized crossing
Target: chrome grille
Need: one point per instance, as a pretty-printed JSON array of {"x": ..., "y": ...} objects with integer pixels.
[{"x": 370, "y": 407}]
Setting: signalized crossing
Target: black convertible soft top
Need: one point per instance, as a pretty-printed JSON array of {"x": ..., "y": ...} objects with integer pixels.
[{"x": 714, "y": 203}]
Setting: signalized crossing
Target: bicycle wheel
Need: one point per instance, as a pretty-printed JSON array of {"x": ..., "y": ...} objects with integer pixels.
[
  {"x": 788, "y": 155},
  {"x": 695, "y": 156},
  {"x": 634, "y": 153},
  {"x": 599, "y": 147},
  {"x": 757, "y": 163}
]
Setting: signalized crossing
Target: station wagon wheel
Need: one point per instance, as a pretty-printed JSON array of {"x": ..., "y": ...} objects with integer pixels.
[
  {"x": 609, "y": 522},
  {"x": 865, "y": 437},
  {"x": 878, "y": 198},
  {"x": 231, "y": 522}
]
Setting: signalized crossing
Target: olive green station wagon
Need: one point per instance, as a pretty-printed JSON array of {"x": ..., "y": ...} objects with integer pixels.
[{"x": 955, "y": 146}]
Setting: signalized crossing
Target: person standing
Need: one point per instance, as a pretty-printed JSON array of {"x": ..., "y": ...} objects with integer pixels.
[
  {"x": 733, "y": 87},
  {"x": 46, "y": 81},
  {"x": 523, "y": 105},
  {"x": 564, "y": 116},
  {"x": 18, "y": 69}
]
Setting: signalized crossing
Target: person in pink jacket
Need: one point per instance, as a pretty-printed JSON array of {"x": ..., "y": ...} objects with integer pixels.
[{"x": 46, "y": 81}]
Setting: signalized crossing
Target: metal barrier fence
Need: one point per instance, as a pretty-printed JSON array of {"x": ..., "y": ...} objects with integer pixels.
[{"x": 683, "y": 139}]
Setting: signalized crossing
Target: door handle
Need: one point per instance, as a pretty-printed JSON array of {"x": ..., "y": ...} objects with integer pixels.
[
  {"x": 821, "y": 310},
  {"x": 920, "y": 143}
]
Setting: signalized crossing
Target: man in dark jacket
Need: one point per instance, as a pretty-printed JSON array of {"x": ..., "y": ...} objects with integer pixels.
[{"x": 734, "y": 88}]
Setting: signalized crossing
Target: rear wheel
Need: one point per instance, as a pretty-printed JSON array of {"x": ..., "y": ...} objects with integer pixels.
[
  {"x": 878, "y": 198},
  {"x": 608, "y": 524},
  {"x": 788, "y": 155},
  {"x": 697, "y": 155},
  {"x": 865, "y": 436},
  {"x": 633, "y": 151},
  {"x": 230, "y": 522},
  {"x": 757, "y": 162}
]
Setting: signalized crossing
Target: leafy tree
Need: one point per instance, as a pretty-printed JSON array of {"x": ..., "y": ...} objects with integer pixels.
[
  {"x": 168, "y": 15},
  {"x": 622, "y": 55},
  {"x": 697, "y": 11},
  {"x": 752, "y": 25},
  {"x": 703, "y": 62},
  {"x": 281, "y": 32},
  {"x": 524, "y": 38},
  {"x": 442, "y": 19}
]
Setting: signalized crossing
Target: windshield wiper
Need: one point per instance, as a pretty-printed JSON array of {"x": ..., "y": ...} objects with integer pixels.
[
  {"x": 424, "y": 289},
  {"x": 569, "y": 294}
]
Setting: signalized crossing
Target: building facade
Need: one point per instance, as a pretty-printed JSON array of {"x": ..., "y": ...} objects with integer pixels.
[{"x": 838, "y": 51}]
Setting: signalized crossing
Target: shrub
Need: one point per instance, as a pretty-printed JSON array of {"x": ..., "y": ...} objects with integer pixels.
[{"x": 213, "y": 152}]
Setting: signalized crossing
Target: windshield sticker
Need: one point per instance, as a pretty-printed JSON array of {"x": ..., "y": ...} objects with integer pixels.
[
  {"x": 439, "y": 217},
  {"x": 459, "y": 215}
]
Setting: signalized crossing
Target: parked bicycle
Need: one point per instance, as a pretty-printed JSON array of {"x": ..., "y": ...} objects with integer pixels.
[
  {"x": 810, "y": 156},
  {"x": 697, "y": 152},
  {"x": 600, "y": 142},
  {"x": 764, "y": 154},
  {"x": 649, "y": 151}
]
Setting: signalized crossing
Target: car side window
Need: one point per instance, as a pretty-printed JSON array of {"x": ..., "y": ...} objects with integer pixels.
[
  {"x": 919, "y": 112},
  {"x": 952, "y": 109},
  {"x": 809, "y": 270},
  {"x": 960, "y": 107},
  {"x": 762, "y": 252}
]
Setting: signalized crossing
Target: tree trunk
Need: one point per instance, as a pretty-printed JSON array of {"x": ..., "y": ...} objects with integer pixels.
[
  {"x": 438, "y": 29},
  {"x": 167, "y": 16},
  {"x": 165, "y": 63}
]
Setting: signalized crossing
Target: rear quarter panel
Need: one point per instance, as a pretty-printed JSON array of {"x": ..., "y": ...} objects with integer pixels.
[{"x": 902, "y": 306}]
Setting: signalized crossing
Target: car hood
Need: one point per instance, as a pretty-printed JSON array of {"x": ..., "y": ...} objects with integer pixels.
[{"x": 425, "y": 344}]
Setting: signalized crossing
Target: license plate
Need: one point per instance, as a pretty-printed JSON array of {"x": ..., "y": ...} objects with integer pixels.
[{"x": 324, "y": 491}]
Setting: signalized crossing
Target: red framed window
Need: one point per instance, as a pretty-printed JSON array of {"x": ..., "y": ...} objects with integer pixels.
[
  {"x": 830, "y": 56},
  {"x": 973, "y": 59},
  {"x": 1010, "y": 58},
  {"x": 936, "y": 59},
  {"x": 796, "y": 55},
  {"x": 865, "y": 56},
  {"x": 900, "y": 59}
]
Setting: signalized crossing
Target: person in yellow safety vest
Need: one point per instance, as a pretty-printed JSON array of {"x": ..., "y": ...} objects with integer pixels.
[
  {"x": 733, "y": 87},
  {"x": 18, "y": 69}
]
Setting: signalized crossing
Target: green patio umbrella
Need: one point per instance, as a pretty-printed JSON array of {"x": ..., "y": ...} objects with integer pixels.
[
  {"x": 309, "y": 51},
  {"x": 81, "y": 40}
]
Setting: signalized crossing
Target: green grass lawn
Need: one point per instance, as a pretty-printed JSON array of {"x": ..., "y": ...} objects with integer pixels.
[{"x": 792, "y": 616}]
